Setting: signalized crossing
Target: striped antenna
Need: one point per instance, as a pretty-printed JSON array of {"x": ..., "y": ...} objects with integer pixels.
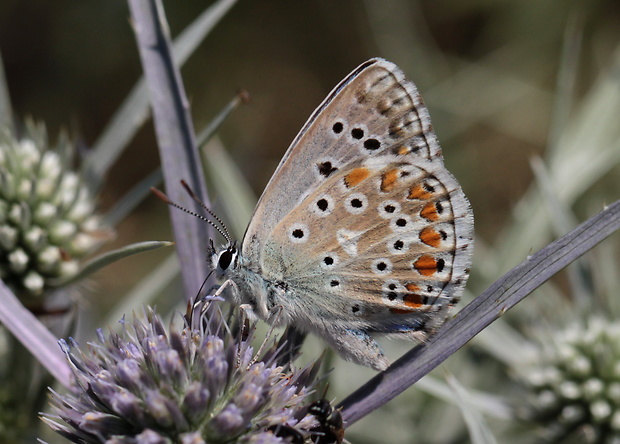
[
  {"x": 208, "y": 210},
  {"x": 222, "y": 230}
]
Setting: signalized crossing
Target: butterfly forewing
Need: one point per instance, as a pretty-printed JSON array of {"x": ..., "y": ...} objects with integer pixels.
[{"x": 373, "y": 111}]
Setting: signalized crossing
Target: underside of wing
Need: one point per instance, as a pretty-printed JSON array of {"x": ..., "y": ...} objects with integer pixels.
[
  {"x": 373, "y": 112},
  {"x": 383, "y": 244}
]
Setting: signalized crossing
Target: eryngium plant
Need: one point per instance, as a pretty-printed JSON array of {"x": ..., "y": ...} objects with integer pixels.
[
  {"x": 203, "y": 384},
  {"x": 47, "y": 219},
  {"x": 575, "y": 386}
]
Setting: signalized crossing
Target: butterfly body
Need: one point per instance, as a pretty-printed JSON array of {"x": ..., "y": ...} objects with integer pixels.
[{"x": 361, "y": 229}]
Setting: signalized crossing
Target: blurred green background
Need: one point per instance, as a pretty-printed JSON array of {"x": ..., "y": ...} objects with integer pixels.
[{"x": 488, "y": 71}]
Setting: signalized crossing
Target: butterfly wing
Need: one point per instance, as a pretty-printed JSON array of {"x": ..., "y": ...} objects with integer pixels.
[
  {"x": 373, "y": 110},
  {"x": 361, "y": 224},
  {"x": 386, "y": 245}
]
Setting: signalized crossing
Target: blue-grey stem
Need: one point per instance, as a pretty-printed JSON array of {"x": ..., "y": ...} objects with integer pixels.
[
  {"x": 481, "y": 312},
  {"x": 175, "y": 136},
  {"x": 33, "y": 335}
]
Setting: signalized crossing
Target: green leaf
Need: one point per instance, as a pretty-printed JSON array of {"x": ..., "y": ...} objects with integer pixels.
[{"x": 101, "y": 261}]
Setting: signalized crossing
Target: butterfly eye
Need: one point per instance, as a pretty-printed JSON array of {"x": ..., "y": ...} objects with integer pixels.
[{"x": 225, "y": 259}]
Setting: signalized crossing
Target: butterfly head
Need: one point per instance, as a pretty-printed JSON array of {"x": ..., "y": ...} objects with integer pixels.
[{"x": 224, "y": 258}]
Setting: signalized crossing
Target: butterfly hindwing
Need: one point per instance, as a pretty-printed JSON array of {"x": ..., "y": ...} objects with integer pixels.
[{"x": 380, "y": 247}]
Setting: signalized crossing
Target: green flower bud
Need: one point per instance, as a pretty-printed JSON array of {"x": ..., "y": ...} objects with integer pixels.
[
  {"x": 46, "y": 214},
  {"x": 574, "y": 386}
]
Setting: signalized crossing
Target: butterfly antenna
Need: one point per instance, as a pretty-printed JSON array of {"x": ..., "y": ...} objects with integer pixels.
[
  {"x": 207, "y": 209},
  {"x": 165, "y": 198}
]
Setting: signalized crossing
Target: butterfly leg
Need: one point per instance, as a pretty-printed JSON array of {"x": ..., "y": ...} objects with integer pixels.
[
  {"x": 357, "y": 346},
  {"x": 265, "y": 342},
  {"x": 220, "y": 290}
]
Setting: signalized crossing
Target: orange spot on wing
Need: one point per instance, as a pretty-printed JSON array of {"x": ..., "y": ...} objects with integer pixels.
[
  {"x": 430, "y": 237},
  {"x": 403, "y": 150},
  {"x": 411, "y": 300},
  {"x": 399, "y": 311},
  {"x": 388, "y": 180},
  {"x": 419, "y": 192},
  {"x": 411, "y": 287},
  {"x": 426, "y": 265},
  {"x": 429, "y": 212},
  {"x": 356, "y": 176}
]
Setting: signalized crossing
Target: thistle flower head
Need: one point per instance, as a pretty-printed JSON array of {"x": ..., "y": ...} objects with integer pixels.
[
  {"x": 575, "y": 386},
  {"x": 196, "y": 385},
  {"x": 46, "y": 213}
]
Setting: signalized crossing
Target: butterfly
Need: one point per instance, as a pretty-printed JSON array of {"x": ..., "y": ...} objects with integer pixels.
[{"x": 361, "y": 229}]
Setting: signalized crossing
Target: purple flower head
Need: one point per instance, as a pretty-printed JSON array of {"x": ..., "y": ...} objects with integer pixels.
[{"x": 202, "y": 383}]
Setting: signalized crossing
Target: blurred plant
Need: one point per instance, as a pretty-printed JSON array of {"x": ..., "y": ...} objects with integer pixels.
[
  {"x": 47, "y": 225},
  {"x": 573, "y": 383},
  {"x": 47, "y": 216}
]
